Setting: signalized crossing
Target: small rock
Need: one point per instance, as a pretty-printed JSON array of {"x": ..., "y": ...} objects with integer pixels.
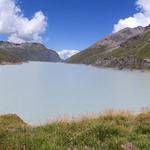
[{"x": 129, "y": 146}]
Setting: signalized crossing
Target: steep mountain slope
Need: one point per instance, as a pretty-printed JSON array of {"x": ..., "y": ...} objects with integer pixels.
[
  {"x": 11, "y": 52},
  {"x": 128, "y": 48},
  {"x": 113, "y": 41}
]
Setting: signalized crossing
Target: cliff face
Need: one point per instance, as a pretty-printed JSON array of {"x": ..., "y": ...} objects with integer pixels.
[
  {"x": 128, "y": 48},
  {"x": 28, "y": 52}
]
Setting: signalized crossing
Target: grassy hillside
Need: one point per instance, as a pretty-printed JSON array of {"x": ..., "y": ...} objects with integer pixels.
[
  {"x": 112, "y": 131},
  {"x": 137, "y": 48},
  {"x": 88, "y": 56}
]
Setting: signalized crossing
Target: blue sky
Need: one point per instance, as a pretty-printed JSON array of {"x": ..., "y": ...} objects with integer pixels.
[
  {"x": 72, "y": 24},
  {"x": 76, "y": 24}
]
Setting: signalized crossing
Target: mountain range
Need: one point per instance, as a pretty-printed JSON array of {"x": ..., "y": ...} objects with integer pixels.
[
  {"x": 11, "y": 52},
  {"x": 128, "y": 48}
]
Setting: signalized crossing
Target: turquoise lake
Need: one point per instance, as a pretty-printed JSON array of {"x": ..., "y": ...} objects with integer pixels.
[{"x": 41, "y": 91}]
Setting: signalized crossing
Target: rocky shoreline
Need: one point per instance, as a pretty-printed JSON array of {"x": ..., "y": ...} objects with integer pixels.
[
  {"x": 10, "y": 63},
  {"x": 117, "y": 63},
  {"x": 123, "y": 62}
]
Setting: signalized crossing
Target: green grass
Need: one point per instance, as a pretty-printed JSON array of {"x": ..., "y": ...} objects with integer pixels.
[
  {"x": 137, "y": 47},
  {"x": 112, "y": 131},
  {"x": 88, "y": 56}
]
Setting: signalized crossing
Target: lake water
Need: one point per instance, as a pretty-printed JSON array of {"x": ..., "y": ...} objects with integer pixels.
[{"x": 38, "y": 92}]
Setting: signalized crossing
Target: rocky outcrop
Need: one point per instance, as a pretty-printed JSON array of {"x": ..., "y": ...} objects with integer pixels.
[
  {"x": 28, "y": 52},
  {"x": 122, "y": 62}
]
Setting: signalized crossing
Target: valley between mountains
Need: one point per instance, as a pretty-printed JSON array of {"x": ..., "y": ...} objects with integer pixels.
[{"x": 126, "y": 49}]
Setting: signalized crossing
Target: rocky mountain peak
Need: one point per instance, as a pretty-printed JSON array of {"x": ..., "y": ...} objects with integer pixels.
[
  {"x": 114, "y": 40},
  {"x": 22, "y": 45}
]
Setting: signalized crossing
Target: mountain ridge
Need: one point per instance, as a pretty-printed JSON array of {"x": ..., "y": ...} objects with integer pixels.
[
  {"x": 12, "y": 52},
  {"x": 115, "y": 39},
  {"x": 129, "y": 48}
]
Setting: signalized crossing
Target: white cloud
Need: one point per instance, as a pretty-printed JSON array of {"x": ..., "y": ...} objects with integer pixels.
[
  {"x": 64, "y": 54},
  {"x": 142, "y": 18},
  {"x": 17, "y": 27}
]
